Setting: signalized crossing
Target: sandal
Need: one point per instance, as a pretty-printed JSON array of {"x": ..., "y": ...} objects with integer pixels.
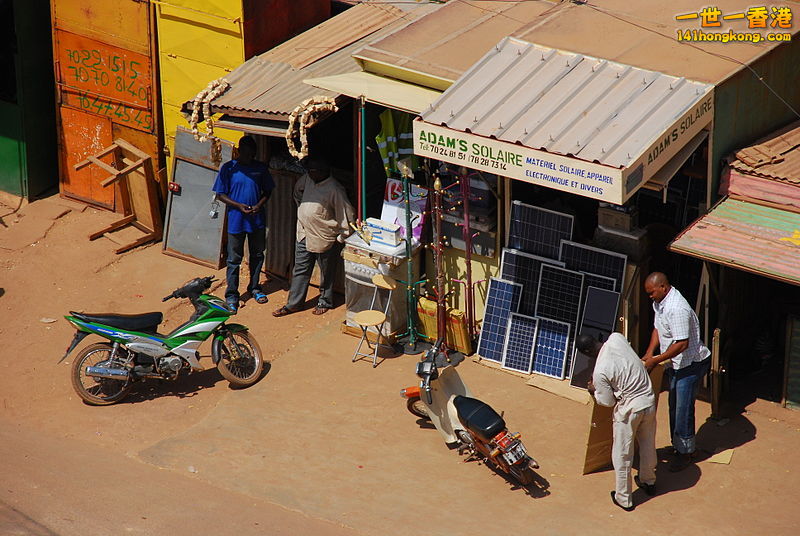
[
  {"x": 320, "y": 310},
  {"x": 260, "y": 297},
  {"x": 283, "y": 311}
]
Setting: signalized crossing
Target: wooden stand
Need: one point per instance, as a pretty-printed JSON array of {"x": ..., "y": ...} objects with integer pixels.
[{"x": 137, "y": 186}]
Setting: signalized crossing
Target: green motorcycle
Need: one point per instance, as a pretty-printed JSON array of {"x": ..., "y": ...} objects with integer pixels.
[{"x": 104, "y": 373}]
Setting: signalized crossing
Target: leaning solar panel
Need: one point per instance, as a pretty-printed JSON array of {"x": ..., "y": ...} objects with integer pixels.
[
  {"x": 550, "y": 351},
  {"x": 520, "y": 340},
  {"x": 599, "y": 313},
  {"x": 524, "y": 268},
  {"x": 594, "y": 260},
  {"x": 502, "y": 299},
  {"x": 538, "y": 230},
  {"x": 559, "y": 294}
]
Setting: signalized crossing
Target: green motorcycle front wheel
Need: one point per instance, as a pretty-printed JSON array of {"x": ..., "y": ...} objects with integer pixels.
[{"x": 241, "y": 364}]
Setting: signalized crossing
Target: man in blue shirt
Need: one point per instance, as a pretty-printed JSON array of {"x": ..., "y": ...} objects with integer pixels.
[{"x": 245, "y": 185}]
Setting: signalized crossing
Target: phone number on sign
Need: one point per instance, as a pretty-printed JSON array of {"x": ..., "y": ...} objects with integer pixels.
[
  {"x": 462, "y": 156},
  {"x": 118, "y": 112}
]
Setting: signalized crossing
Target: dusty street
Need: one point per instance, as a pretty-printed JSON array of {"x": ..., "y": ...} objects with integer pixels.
[{"x": 320, "y": 445}]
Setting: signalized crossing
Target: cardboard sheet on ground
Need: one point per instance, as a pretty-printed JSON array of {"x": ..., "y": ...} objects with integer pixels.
[{"x": 600, "y": 440}]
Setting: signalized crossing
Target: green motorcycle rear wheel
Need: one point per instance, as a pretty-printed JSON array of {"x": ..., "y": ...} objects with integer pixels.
[{"x": 97, "y": 391}]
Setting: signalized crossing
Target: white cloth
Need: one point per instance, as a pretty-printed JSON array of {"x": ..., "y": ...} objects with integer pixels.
[
  {"x": 620, "y": 378},
  {"x": 676, "y": 321},
  {"x": 323, "y": 212},
  {"x": 641, "y": 426}
]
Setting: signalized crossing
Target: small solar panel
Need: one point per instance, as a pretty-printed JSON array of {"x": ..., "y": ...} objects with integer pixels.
[
  {"x": 594, "y": 260},
  {"x": 559, "y": 294},
  {"x": 520, "y": 340},
  {"x": 599, "y": 313},
  {"x": 538, "y": 230},
  {"x": 550, "y": 352},
  {"x": 524, "y": 268},
  {"x": 502, "y": 299}
]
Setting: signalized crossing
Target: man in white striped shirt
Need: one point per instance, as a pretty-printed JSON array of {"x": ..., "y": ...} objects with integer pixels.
[{"x": 677, "y": 335}]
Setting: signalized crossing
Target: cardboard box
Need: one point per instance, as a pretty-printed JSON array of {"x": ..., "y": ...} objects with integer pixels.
[
  {"x": 384, "y": 232},
  {"x": 617, "y": 219}
]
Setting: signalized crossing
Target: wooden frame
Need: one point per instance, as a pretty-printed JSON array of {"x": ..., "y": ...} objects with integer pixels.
[{"x": 137, "y": 186}]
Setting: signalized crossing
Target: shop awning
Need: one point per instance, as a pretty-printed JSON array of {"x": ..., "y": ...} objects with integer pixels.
[
  {"x": 661, "y": 179},
  {"x": 378, "y": 89},
  {"x": 742, "y": 234},
  {"x": 576, "y": 123}
]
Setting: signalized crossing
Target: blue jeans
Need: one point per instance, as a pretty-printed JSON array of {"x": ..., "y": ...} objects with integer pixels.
[
  {"x": 304, "y": 262},
  {"x": 683, "y": 386},
  {"x": 256, "y": 242}
]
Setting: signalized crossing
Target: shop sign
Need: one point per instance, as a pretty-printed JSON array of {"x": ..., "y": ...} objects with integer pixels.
[
  {"x": 667, "y": 145},
  {"x": 571, "y": 175}
]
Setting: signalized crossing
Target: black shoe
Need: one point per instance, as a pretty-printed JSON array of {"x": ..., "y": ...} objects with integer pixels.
[
  {"x": 614, "y": 500},
  {"x": 650, "y": 489},
  {"x": 681, "y": 462}
]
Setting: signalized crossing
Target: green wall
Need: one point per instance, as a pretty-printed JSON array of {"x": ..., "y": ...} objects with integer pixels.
[
  {"x": 28, "y": 157},
  {"x": 746, "y": 110}
]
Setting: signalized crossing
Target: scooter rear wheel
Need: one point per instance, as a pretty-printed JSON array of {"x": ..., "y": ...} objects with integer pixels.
[
  {"x": 418, "y": 408},
  {"x": 97, "y": 391}
]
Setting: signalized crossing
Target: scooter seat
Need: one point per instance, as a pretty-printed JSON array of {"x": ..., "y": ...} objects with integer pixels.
[
  {"x": 479, "y": 417},
  {"x": 144, "y": 322}
]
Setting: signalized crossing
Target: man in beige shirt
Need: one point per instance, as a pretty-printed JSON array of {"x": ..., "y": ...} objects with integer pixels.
[
  {"x": 620, "y": 381},
  {"x": 323, "y": 220}
]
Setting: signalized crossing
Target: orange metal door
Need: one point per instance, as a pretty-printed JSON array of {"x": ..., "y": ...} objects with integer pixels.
[{"x": 83, "y": 134}]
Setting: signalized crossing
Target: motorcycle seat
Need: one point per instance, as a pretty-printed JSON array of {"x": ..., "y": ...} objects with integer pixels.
[
  {"x": 479, "y": 417},
  {"x": 144, "y": 322}
]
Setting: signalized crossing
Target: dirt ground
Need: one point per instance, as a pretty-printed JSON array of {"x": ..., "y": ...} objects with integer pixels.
[{"x": 320, "y": 445}]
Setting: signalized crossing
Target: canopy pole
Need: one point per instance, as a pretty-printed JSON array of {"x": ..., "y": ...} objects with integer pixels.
[{"x": 362, "y": 142}]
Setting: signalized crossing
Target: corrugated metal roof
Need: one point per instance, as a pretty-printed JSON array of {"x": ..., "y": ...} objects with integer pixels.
[
  {"x": 565, "y": 103},
  {"x": 748, "y": 236},
  {"x": 775, "y": 157},
  {"x": 271, "y": 85},
  {"x": 446, "y": 42}
]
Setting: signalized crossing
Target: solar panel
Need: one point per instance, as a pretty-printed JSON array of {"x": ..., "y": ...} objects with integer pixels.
[
  {"x": 524, "y": 268},
  {"x": 594, "y": 260},
  {"x": 520, "y": 339},
  {"x": 599, "y": 313},
  {"x": 538, "y": 230},
  {"x": 582, "y": 369},
  {"x": 502, "y": 299},
  {"x": 559, "y": 295},
  {"x": 550, "y": 352}
]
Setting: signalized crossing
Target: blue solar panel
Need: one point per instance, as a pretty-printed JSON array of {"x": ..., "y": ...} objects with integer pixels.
[
  {"x": 538, "y": 230},
  {"x": 552, "y": 339},
  {"x": 559, "y": 296},
  {"x": 520, "y": 339},
  {"x": 524, "y": 268},
  {"x": 502, "y": 299}
]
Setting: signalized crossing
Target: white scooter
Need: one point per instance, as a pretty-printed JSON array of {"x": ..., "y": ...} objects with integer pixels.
[{"x": 466, "y": 422}]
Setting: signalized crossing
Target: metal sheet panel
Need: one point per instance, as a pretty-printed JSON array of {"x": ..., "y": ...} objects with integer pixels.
[
  {"x": 776, "y": 157},
  {"x": 180, "y": 76},
  {"x": 744, "y": 235},
  {"x": 83, "y": 134},
  {"x": 105, "y": 80},
  {"x": 565, "y": 103},
  {"x": 272, "y": 83},
  {"x": 125, "y": 24},
  {"x": 201, "y": 37},
  {"x": 378, "y": 89}
]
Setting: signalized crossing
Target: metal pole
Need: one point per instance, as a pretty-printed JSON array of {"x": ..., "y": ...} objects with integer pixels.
[
  {"x": 441, "y": 306},
  {"x": 467, "y": 236},
  {"x": 363, "y": 143}
]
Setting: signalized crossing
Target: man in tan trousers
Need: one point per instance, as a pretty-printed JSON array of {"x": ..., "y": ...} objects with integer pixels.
[{"x": 620, "y": 380}]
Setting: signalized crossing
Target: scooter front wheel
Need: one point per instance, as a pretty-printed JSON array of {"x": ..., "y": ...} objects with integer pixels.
[
  {"x": 239, "y": 359},
  {"x": 418, "y": 408},
  {"x": 93, "y": 390}
]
